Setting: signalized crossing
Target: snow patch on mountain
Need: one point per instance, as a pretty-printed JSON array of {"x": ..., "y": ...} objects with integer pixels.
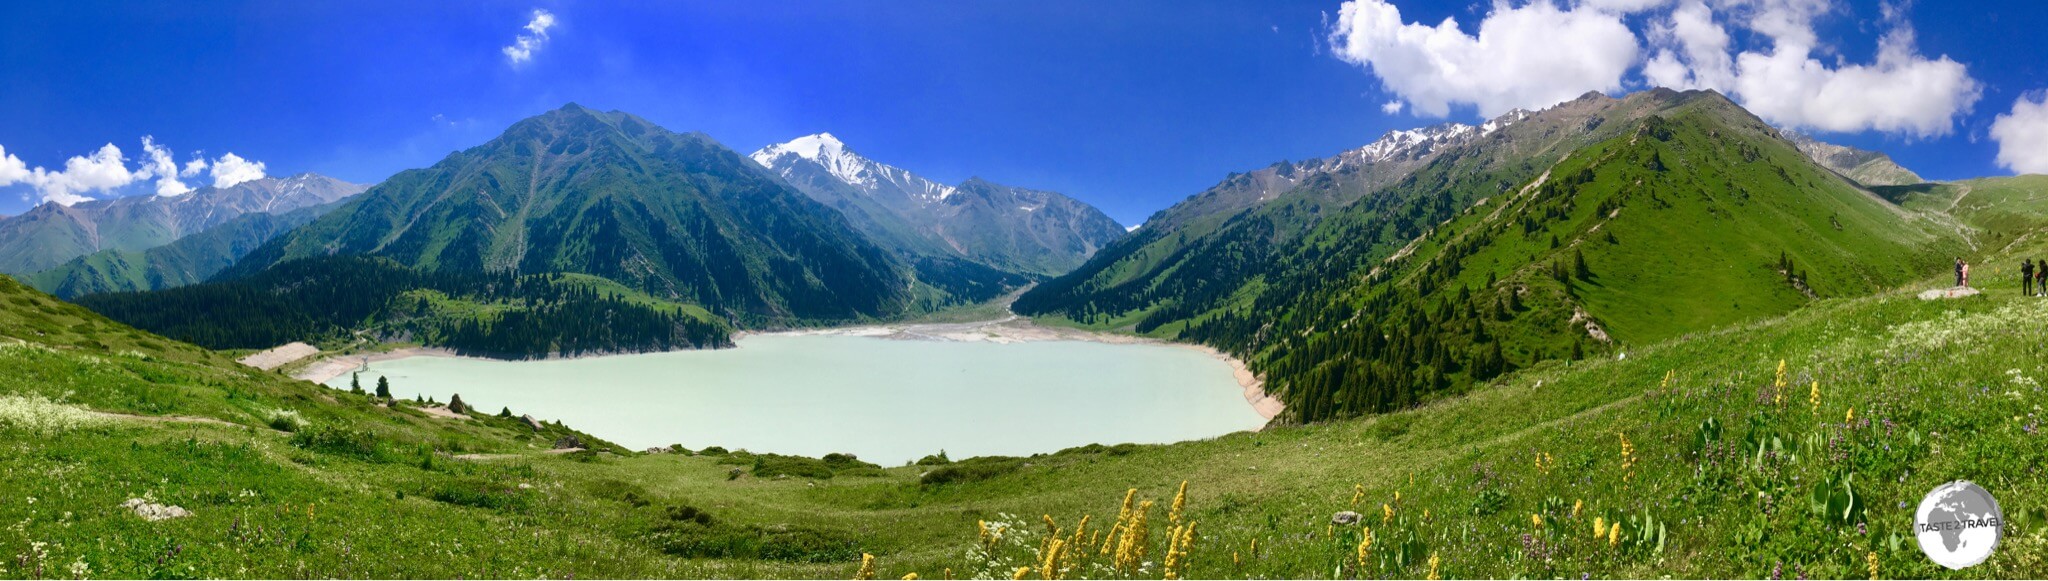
[{"x": 843, "y": 164}]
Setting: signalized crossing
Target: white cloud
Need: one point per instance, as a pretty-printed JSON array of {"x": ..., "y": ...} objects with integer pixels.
[
  {"x": 192, "y": 168},
  {"x": 523, "y": 47},
  {"x": 1530, "y": 56},
  {"x": 2022, "y": 135},
  {"x": 159, "y": 165},
  {"x": 1392, "y": 107},
  {"x": 105, "y": 170},
  {"x": 1765, "y": 54},
  {"x": 1623, "y": 6},
  {"x": 12, "y": 170},
  {"x": 1901, "y": 92},
  {"x": 231, "y": 169}
]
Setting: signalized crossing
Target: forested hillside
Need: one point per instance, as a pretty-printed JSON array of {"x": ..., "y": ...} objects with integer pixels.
[{"x": 1686, "y": 214}]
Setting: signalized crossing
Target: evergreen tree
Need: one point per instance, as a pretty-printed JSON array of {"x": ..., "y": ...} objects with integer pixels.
[
  {"x": 355, "y": 382},
  {"x": 383, "y": 387},
  {"x": 505, "y": 413},
  {"x": 455, "y": 404}
]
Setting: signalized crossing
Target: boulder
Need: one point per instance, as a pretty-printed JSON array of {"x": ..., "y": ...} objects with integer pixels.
[
  {"x": 530, "y": 422},
  {"x": 1346, "y": 518},
  {"x": 151, "y": 511},
  {"x": 455, "y": 404},
  {"x": 569, "y": 442}
]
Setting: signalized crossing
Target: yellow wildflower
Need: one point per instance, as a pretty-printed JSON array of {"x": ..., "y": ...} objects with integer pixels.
[
  {"x": 1386, "y": 513},
  {"x": 1050, "y": 528},
  {"x": 1235, "y": 560},
  {"x": 1020, "y": 574},
  {"x": 1614, "y": 534},
  {"x": 867, "y": 567},
  {"x": 910, "y": 577},
  {"x": 1599, "y": 527},
  {"x": 1180, "y": 503},
  {"x": 1628, "y": 457},
  {"x": 1130, "y": 550},
  {"x": 1357, "y": 494},
  {"x": 1667, "y": 378},
  {"x": 1849, "y": 417},
  {"x": 1049, "y": 567},
  {"x": 949, "y": 574},
  {"x": 1433, "y": 562},
  {"x": 1536, "y": 520},
  {"x": 1364, "y": 543},
  {"x": 1871, "y": 559},
  {"x": 1781, "y": 374},
  {"x": 1255, "y": 547},
  {"x": 1576, "y": 506},
  {"x": 1814, "y": 396}
]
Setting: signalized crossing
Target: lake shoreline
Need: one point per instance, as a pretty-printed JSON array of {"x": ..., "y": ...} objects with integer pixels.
[{"x": 1010, "y": 329}]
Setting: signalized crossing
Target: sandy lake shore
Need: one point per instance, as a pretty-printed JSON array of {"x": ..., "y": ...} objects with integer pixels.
[{"x": 1010, "y": 329}]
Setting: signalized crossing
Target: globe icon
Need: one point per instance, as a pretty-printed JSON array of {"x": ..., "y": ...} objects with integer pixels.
[{"x": 1958, "y": 524}]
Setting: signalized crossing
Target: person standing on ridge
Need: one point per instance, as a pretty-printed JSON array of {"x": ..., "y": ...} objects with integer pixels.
[
  {"x": 2027, "y": 277},
  {"x": 2041, "y": 278},
  {"x": 1959, "y": 272},
  {"x": 1966, "y": 276}
]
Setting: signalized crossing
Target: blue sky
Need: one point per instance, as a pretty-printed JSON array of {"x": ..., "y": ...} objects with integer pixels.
[{"x": 1128, "y": 105}]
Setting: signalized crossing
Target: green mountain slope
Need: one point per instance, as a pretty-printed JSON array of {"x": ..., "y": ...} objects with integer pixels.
[
  {"x": 49, "y": 235},
  {"x": 677, "y": 216},
  {"x": 188, "y": 260},
  {"x": 1682, "y": 216}
]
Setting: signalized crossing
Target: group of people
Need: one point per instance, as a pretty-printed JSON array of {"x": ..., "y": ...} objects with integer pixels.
[{"x": 2033, "y": 277}]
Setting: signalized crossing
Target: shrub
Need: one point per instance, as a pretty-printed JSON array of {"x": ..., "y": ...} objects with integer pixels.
[
  {"x": 972, "y": 470},
  {"x": 938, "y": 459},
  {"x": 712, "y": 451},
  {"x": 285, "y": 420},
  {"x": 772, "y": 465},
  {"x": 353, "y": 443}
]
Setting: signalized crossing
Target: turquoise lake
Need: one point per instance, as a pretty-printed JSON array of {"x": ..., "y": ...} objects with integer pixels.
[{"x": 886, "y": 401}]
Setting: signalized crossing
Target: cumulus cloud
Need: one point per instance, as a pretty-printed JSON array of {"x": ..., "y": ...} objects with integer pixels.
[
  {"x": 523, "y": 47},
  {"x": 159, "y": 164},
  {"x": 1900, "y": 92},
  {"x": 106, "y": 170},
  {"x": 1623, "y": 6},
  {"x": 2022, "y": 136},
  {"x": 12, "y": 170},
  {"x": 1529, "y": 56},
  {"x": 1766, "y": 54},
  {"x": 231, "y": 169}
]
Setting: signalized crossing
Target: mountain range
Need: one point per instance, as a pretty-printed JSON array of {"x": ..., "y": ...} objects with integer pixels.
[
  {"x": 1007, "y": 228},
  {"x": 51, "y": 234}
]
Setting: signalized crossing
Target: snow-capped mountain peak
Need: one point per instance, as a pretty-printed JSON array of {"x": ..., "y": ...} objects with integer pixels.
[{"x": 832, "y": 155}]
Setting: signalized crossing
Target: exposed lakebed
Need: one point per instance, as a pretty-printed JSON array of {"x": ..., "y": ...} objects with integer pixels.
[{"x": 888, "y": 395}]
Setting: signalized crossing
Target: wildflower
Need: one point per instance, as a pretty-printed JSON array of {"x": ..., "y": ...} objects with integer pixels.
[
  {"x": 1667, "y": 378},
  {"x": 1576, "y": 505},
  {"x": 1628, "y": 457},
  {"x": 912, "y": 576},
  {"x": 1235, "y": 561},
  {"x": 1850, "y": 416},
  {"x": 1433, "y": 562},
  {"x": 1177, "y": 543},
  {"x": 1357, "y": 494},
  {"x": 1599, "y": 527},
  {"x": 1255, "y": 547},
  {"x": 1614, "y": 534},
  {"x": 1871, "y": 559},
  {"x": 867, "y": 567},
  {"x": 1813, "y": 397},
  {"x": 1049, "y": 567},
  {"x": 949, "y": 574},
  {"x": 79, "y": 569},
  {"x": 1364, "y": 544},
  {"x": 1180, "y": 503},
  {"x": 1050, "y": 528},
  {"x": 1130, "y": 550},
  {"x": 1386, "y": 513},
  {"x": 1021, "y": 572},
  {"x": 1536, "y": 520}
]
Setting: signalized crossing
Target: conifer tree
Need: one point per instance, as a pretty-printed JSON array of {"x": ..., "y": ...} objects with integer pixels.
[{"x": 383, "y": 387}]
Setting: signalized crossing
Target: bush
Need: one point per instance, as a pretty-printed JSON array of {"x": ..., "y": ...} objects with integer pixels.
[
  {"x": 284, "y": 420},
  {"x": 712, "y": 451},
  {"x": 692, "y": 538},
  {"x": 481, "y": 494},
  {"x": 972, "y": 470},
  {"x": 354, "y": 443},
  {"x": 938, "y": 459},
  {"x": 772, "y": 465}
]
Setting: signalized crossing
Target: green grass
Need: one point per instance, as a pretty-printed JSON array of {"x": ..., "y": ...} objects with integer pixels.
[{"x": 381, "y": 495}]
